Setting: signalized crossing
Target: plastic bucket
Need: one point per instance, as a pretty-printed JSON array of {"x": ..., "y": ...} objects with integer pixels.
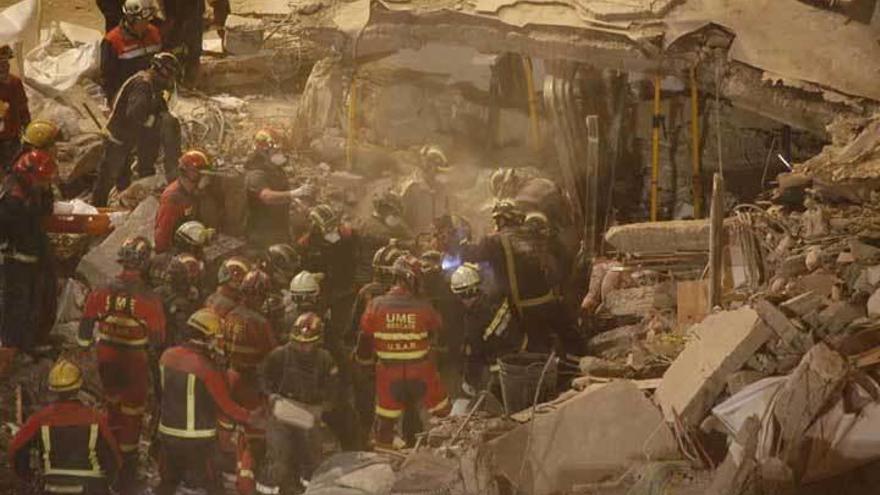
[{"x": 520, "y": 374}]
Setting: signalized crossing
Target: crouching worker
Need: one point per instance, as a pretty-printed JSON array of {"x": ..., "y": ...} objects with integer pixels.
[
  {"x": 302, "y": 381},
  {"x": 76, "y": 450},
  {"x": 193, "y": 390}
]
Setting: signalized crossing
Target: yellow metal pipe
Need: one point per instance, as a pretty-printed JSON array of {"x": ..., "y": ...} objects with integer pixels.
[
  {"x": 352, "y": 125},
  {"x": 533, "y": 103},
  {"x": 655, "y": 151},
  {"x": 697, "y": 180}
]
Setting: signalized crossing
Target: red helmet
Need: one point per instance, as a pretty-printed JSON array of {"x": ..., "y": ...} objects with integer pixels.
[
  {"x": 135, "y": 252},
  {"x": 185, "y": 269},
  {"x": 194, "y": 162},
  {"x": 233, "y": 271},
  {"x": 266, "y": 139},
  {"x": 256, "y": 284},
  {"x": 36, "y": 166},
  {"x": 308, "y": 328}
]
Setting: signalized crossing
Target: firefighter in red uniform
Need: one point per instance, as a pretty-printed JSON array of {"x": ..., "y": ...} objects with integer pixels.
[
  {"x": 14, "y": 112},
  {"x": 247, "y": 338},
  {"x": 127, "y": 319},
  {"x": 178, "y": 201},
  {"x": 25, "y": 200},
  {"x": 228, "y": 293},
  {"x": 190, "y": 238},
  {"x": 194, "y": 390},
  {"x": 77, "y": 451},
  {"x": 128, "y": 48},
  {"x": 397, "y": 329}
]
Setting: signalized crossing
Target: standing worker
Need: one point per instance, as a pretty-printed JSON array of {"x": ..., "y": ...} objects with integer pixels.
[
  {"x": 14, "y": 112},
  {"x": 423, "y": 195},
  {"x": 140, "y": 121},
  {"x": 25, "y": 200},
  {"x": 303, "y": 372},
  {"x": 128, "y": 48},
  {"x": 269, "y": 196},
  {"x": 178, "y": 202},
  {"x": 194, "y": 389},
  {"x": 228, "y": 294},
  {"x": 184, "y": 29},
  {"x": 127, "y": 319},
  {"x": 397, "y": 329},
  {"x": 77, "y": 452}
]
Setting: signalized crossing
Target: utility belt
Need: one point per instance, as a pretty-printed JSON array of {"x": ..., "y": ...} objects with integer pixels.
[{"x": 124, "y": 337}]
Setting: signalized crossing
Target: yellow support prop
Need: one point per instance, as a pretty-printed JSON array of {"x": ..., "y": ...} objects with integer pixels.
[
  {"x": 534, "y": 126},
  {"x": 352, "y": 125},
  {"x": 655, "y": 151},
  {"x": 697, "y": 180}
]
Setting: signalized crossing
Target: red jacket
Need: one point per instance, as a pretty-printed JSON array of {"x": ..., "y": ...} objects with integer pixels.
[
  {"x": 176, "y": 206},
  {"x": 124, "y": 55},
  {"x": 126, "y": 312},
  {"x": 222, "y": 301},
  {"x": 247, "y": 337},
  {"x": 74, "y": 442},
  {"x": 193, "y": 389},
  {"x": 397, "y": 327},
  {"x": 17, "y": 115}
]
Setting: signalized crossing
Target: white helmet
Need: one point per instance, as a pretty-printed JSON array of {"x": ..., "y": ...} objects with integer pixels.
[
  {"x": 305, "y": 286},
  {"x": 466, "y": 280},
  {"x": 138, "y": 10},
  {"x": 194, "y": 234}
]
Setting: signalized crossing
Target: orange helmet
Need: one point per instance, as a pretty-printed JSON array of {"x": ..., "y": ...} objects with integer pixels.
[
  {"x": 36, "y": 166},
  {"x": 193, "y": 162},
  {"x": 266, "y": 139},
  {"x": 233, "y": 271},
  {"x": 308, "y": 328}
]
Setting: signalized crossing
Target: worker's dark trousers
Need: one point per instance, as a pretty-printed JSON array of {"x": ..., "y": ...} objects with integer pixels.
[
  {"x": 18, "y": 311},
  {"x": 290, "y": 453},
  {"x": 187, "y": 461},
  {"x": 115, "y": 170},
  {"x": 9, "y": 151},
  {"x": 112, "y": 11}
]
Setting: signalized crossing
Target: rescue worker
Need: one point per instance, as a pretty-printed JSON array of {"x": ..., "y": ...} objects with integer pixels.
[
  {"x": 191, "y": 238},
  {"x": 14, "y": 112},
  {"x": 282, "y": 263},
  {"x": 397, "y": 329},
  {"x": 554, "y": 257},
  {"x": 490, "y": 331},
  {"x": 331, "y": 248},
  {"x": 140, "y": 121},
  {"x": 385, "y": 223},
  {"x": 305, "y": 296},
  {"x": 422, "y": 194},
  {"x": 532, "y": 193},
  {"x": 128, "y": 321},
  {"x": 25, "y": 200},
  {"x": 269, "y": 196},
  {"x": 40, "y": 135},
  {"x": 184, "y": 28},
  {"x": 178, "y": 201},
  {"x": 76, "y": 450},
  {"x": 229, "y": 278},
  {"x": 448, "y": 234},
  {"x": 128, "y": 47},
  {"x": 181, "y": 294},
  {"x": 303, "y": 372},
  {"x": 364, "y": 378},
  {"x": 194, "y": 390},
  {"x": 522, "y": 278},
  {"x": 246, "y": 339}
]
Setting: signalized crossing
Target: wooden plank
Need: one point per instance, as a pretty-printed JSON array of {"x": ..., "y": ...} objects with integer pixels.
[
  {"x": 692, "y": 302},
  {"x": 716, "y": 240}
]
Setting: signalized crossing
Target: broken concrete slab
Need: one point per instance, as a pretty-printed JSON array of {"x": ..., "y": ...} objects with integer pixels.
[
  {"x": 793, "y": 266},
  {"x": 874, "y": 305},
  {"x": 742, "y": 379},
  {"x": 639, "y": 300},
  {"x": 820, "y": 282},
  {"x": 864, "y": 253},
  {"x": 99, "y": 265},
  {"x": 692, "y": 304},
  {"x": 838, "y": 315},
  {"x": 660, "y": 237},
  {"x": 619, "y": 337},
  {"x": 243, "y": 35},
  {"x": 803, "y": 304},
  {"x": 788, "y": 333},
  {"x": 595, "y": 436},
  {"x": 593, "y": 366},
  {"x": 718, "y": 346},
  {"x": 803, "y": 397}
]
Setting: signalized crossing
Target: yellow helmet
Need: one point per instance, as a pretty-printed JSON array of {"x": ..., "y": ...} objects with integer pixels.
[
  {"x": 65, "y": 377},
  {"x": 41, "y": 134},
  {"x": 205, "y": 321}
]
